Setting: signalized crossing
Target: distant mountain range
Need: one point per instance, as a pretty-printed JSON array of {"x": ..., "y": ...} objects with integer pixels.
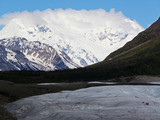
[
  {"x": 141, "y": 56},
  {"x": 53, "y": 45},
  {"x": 20, "y": 54}
]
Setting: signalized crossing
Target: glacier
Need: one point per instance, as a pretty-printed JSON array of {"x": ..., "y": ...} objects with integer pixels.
[{"x": 120, "y": 102}]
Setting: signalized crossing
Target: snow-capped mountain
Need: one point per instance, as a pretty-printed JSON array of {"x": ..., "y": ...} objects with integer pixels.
[
  {"x": 20, "y": 54},
  {"x": 87, "y": 37},
  {"x": 15, "y": 60}
]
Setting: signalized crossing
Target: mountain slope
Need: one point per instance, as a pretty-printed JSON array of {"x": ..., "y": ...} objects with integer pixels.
[
  {"x": 139, "y": 56},
  {"x": 143, "y": 38},
  {"x": 20, "y": 54},
  {"x": 15, "y": 60},
  {"x": 76, "y": 33},
  {"x": 147, "y": 41}
]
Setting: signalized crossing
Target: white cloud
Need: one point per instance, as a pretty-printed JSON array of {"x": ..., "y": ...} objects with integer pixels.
[{"x": 70, "y": 18}]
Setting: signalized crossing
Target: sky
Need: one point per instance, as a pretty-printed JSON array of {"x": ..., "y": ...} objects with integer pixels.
[{"x": 145, "y": 12}]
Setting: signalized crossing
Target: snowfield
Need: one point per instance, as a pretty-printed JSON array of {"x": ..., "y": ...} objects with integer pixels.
[
  {"x": 86, "y": 36},
  {"x": 95, "y": 103}
]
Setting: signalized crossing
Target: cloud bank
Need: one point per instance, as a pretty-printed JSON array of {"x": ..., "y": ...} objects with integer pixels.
[{"x": 81, "y": 19}]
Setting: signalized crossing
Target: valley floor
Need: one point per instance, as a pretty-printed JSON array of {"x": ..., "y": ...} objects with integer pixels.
[
  {"x": 10, "y": 92},
  {"x": 140, "y": 98},
  {"x": 121, "y": 102}
]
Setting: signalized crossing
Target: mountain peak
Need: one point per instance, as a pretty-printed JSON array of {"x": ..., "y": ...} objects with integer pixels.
[{"x": 76, "y": 33}]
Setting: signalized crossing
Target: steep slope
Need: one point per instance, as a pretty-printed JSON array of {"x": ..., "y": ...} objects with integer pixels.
[
  {"x": 15, "y": 60},
  {"x": 33, "y": 55},
  {"x": 87, "y": 37},
  {"x": 139, "y": 56},
  {"x": 148, "y": 35}
]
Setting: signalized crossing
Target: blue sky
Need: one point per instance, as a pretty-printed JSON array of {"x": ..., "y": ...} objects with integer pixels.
[{"x": 145, "y": 12}]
